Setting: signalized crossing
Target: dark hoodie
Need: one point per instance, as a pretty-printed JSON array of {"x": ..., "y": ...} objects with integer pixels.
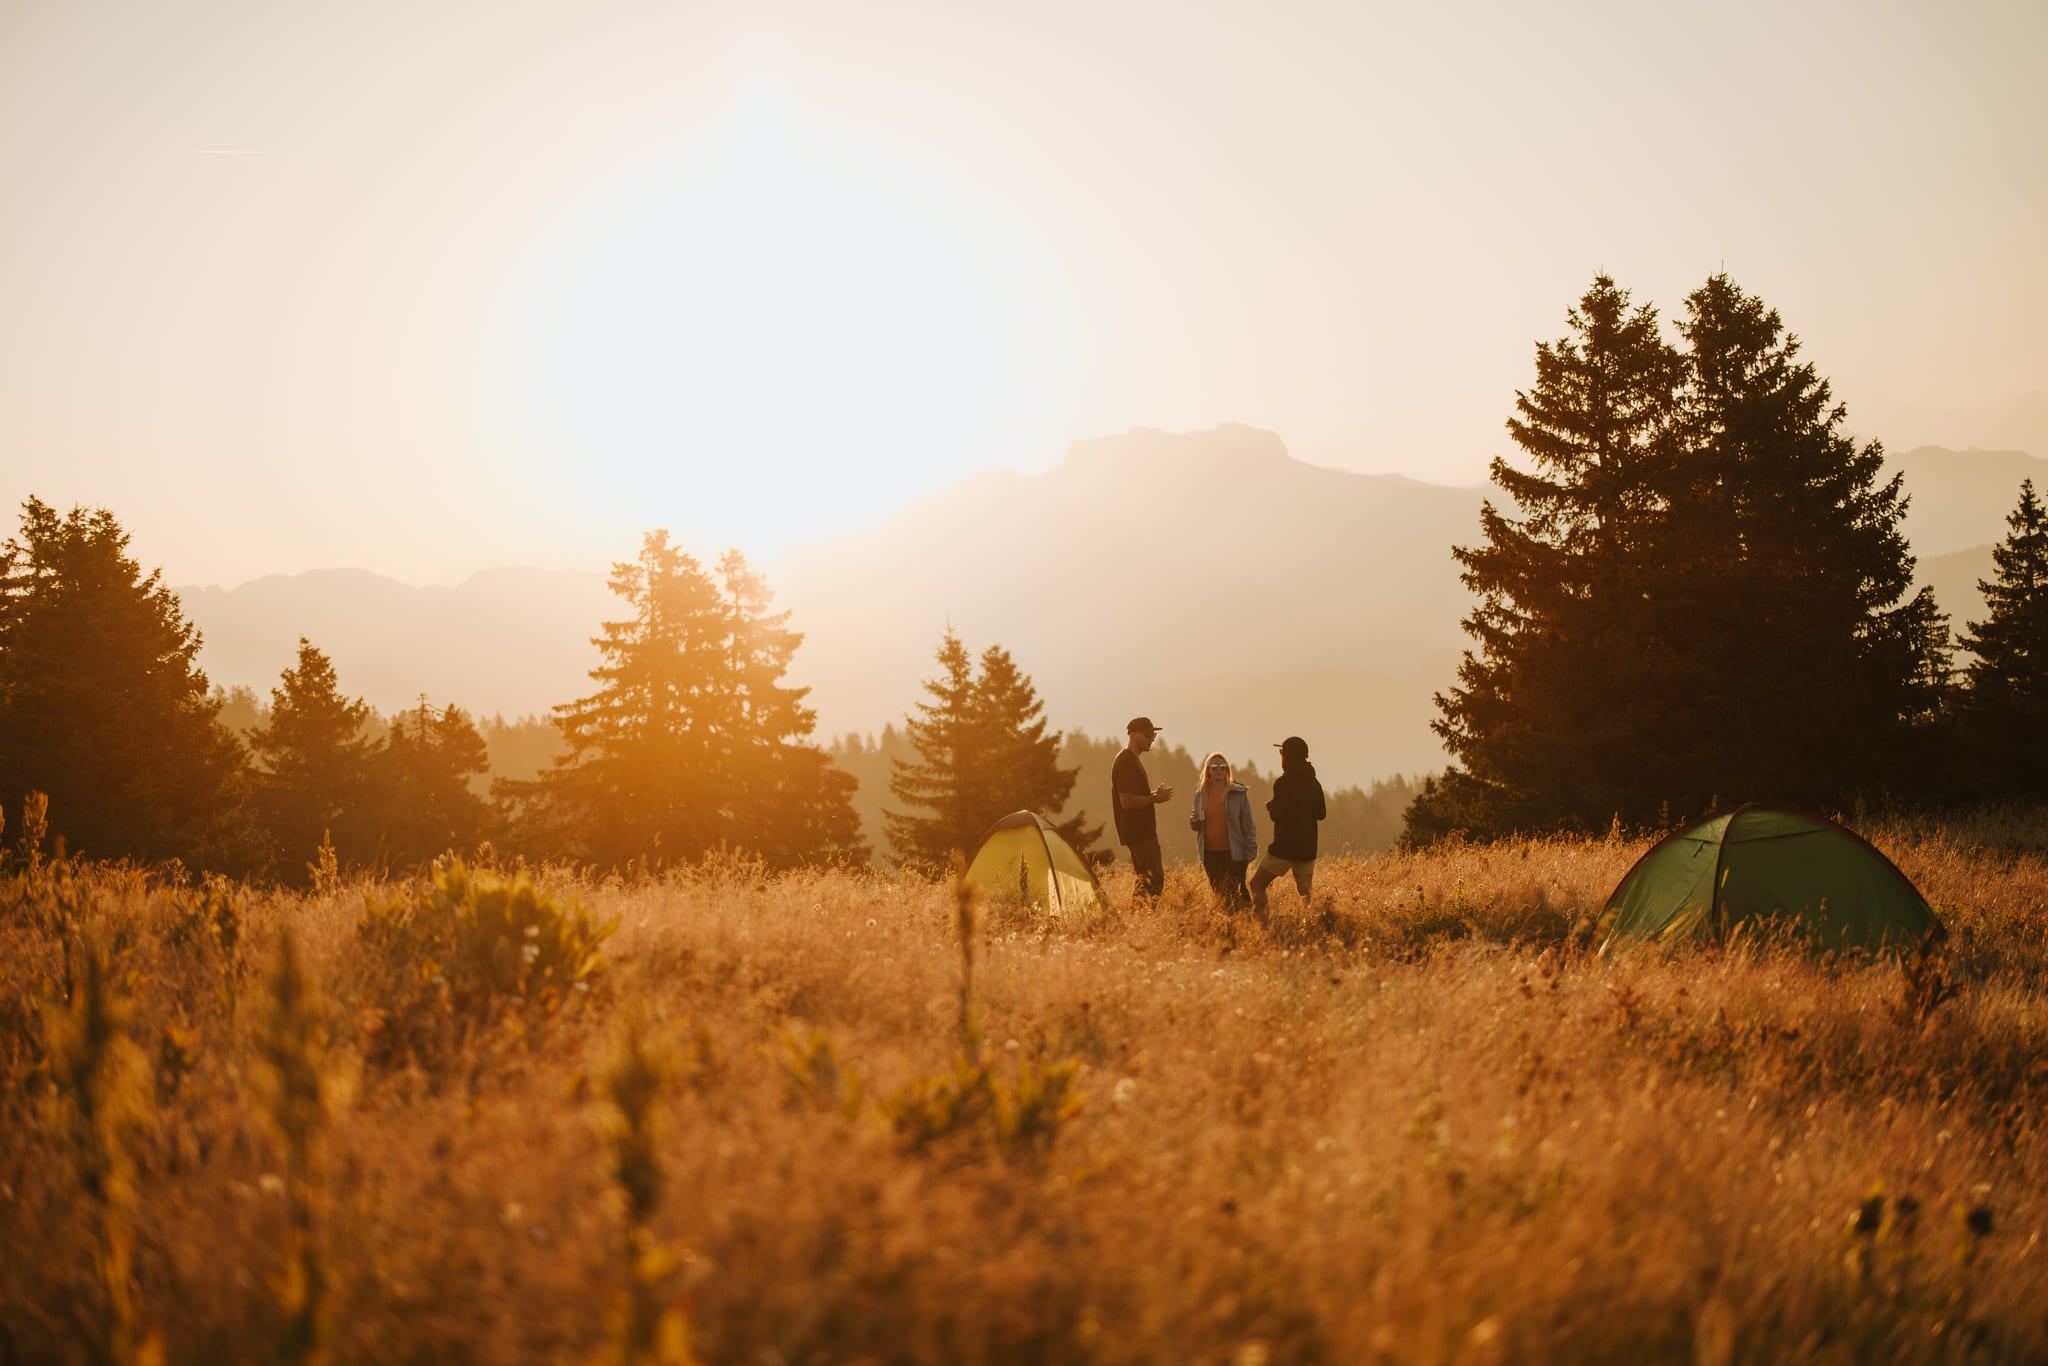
[{"x": 1296, "y": 807}]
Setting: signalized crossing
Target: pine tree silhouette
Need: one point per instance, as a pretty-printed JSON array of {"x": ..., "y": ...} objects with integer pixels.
[
  {"x": 982, "y": 751},
  {"x": 2004, "y": 710},
  {"x": 691, "y": 742},
  {"x": 1701, "y": 590},
  {"x": 313, "y": 778},
  {"x": 102, "y": 703}
]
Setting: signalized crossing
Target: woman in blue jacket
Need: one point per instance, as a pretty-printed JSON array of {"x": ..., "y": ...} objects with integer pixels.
[{"x": 1225, "y": 834}]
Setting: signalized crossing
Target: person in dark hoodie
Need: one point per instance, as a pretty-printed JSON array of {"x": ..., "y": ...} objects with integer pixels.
[{"x": 1296, "y": 807}]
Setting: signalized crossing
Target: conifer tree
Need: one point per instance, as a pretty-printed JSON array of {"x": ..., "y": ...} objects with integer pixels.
[
  {"x": 2004, "y": 711},
  {"x": 424, "y": 805},
  {"x": 791, "y": 803},
  {"x": 691, "y": 741},
  {"x": 313, "y": 777},
  {"x": 639, "y": 779},
  {"x": 945, "y": 778},
  {"x": 1704, "y": 599},
  {"x": 982, "y": 752},
  {"x": 1567, "y": 582},
  {"x": 1807, "y": 669},
  {"x": 102, "y": 703},
  {"x": 1020, "y": 757}
]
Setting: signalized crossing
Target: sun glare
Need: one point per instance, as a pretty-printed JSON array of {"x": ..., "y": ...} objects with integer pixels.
[{"x": 772, "y": 336}]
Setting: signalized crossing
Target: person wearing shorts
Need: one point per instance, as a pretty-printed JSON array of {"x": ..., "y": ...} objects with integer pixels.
[{"x": 1296, "y": 807}]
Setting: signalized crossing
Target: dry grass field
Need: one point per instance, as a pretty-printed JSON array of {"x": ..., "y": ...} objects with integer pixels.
[{"x": 1419, "y": 1121}]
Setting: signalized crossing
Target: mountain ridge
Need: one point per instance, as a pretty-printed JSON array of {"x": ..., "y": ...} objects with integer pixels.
[{"x": 1210, "y": 574}]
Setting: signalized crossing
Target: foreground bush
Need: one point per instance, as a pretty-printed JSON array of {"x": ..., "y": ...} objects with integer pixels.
[{"x": 452, "y": 955}]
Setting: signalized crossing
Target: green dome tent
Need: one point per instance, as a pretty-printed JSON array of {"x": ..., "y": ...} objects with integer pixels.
[
  {"x": 1023, "y": 859},
  {"x": 1761, "y": 864}
]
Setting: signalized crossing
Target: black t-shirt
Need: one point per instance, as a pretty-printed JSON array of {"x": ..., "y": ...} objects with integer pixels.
[{"x": 1138, "y": 825}]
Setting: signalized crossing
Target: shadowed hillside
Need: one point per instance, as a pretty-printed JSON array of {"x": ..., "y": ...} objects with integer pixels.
[
  {"x": 1960, "y": 502},
  {"x": 1954, "y": 578},
  {"x": 511, "y": 641},
  {"x": 1961, "y": 498},
  {"x": 1242, "y": 589}
]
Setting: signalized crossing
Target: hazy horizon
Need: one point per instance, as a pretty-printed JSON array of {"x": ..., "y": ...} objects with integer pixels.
[
  {"x": 777, "y": 559},
  {"x": 871, "y": 607},
  {"x": 427, "y": 293}
]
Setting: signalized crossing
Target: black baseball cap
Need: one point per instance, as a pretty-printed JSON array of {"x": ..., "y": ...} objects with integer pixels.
[
  {"x": 1293, "y": 747},
  {"x": 1141, "y": 723}
]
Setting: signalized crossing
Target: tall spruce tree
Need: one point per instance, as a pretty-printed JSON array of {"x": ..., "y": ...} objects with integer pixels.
[
  {"x": 2004, "y": 710},
  {"x": 691, "y": 742},
  {"x": 102, "y": 703},
  {"x": 982, "y": 751},
  {"x": 945, "y": 778},
  {"x": 423, "y": 804},
  {"x": 1704, "y": 599},
  {"x": 1561, "y": 684},
  {"x": 1807, "y": 668},
  {"x": 639, "y": 778},
  {"x": 313, "y": 779},
  {"x": 790, "y": 801}
]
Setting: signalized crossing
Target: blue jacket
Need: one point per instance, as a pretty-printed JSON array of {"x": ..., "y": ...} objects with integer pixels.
[{"x": 1237, "y": 808}]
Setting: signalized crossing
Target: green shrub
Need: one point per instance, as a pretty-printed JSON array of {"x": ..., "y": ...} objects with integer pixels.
[
  {"x": 459, "y": 951},
  {"x": 816, "y": 1077}
]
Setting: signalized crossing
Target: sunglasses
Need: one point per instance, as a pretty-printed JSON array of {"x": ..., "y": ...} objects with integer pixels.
[{"x": 1219, "y": 768}]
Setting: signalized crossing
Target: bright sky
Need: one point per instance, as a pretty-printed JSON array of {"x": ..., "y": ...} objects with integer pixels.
[{"x": 429, "y": 288}]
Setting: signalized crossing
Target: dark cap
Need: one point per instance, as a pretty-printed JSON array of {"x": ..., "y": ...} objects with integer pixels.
[
  {"x": 1141, "y": 723},
  {"x": 1293, "y": 747}
]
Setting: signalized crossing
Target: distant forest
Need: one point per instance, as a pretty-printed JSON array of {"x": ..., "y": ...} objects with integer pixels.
[
  {"x": 520, "y": 748},
  {"x": 1361, "y": 820}
]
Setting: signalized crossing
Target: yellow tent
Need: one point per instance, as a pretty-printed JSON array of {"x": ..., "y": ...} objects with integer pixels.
[{"x": 1023, "y": 859}]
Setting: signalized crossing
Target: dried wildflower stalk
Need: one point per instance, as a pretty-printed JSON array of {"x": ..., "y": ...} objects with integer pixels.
[
  {"x": 292, "y": 1042},
  {"x": 648, "y": 1325},
  {"x": 965, "y": 919},
  {"x": 106, "y": 1078}
]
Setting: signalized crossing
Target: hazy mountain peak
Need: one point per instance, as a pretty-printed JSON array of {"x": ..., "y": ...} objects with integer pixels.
[
  {"x": 1146, "y": 452},
  {"x": 1960, "y": 498},
  {"x": 1208, "y": 576}
]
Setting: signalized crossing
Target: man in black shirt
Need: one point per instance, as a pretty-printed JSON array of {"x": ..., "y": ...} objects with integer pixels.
[
  {"x": 1133, "y": 799},
  {"x": 1296, "y": 807}
]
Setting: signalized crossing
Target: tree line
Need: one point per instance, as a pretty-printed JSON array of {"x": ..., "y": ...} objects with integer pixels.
[
  {"x": 690, "y": 742},
  {"x": 1697, "y": 592}
]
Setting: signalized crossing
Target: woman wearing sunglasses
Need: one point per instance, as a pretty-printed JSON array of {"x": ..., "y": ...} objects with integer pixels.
[{"x": 1224, "y": 831}]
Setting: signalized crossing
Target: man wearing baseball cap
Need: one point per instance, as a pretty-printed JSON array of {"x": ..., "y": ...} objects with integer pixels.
[
  {"x": 1296, "y": 807},
  {"x": 1133, "y": 798}
]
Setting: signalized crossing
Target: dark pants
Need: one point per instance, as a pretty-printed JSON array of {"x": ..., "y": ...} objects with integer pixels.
[
  {"x": 1226, "y": 876},
  {"x": 1150, "y": 867}
]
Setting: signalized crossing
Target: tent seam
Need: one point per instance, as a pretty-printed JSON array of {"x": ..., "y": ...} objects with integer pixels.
[{"x": 1714, "y": 906}]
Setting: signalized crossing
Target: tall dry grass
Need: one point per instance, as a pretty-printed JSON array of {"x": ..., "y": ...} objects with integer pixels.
[{"x": 1416, "y": 1121}]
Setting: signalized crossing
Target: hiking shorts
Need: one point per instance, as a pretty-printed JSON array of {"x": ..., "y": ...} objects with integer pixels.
[{"x": 1304, "y": 870}]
